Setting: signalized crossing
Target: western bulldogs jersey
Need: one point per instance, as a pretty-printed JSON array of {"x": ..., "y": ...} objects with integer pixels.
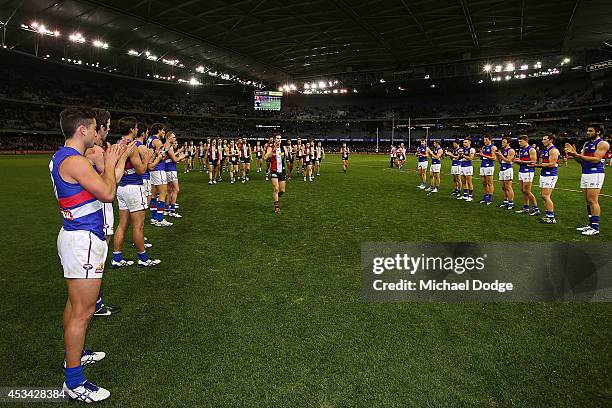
[
  {"x": 433, "y": 159},
  {"x": 456, "y": 162},
  {"x": 486, "y": 162},
  {"x": 524, "y": 156},
  {"x": 466, "y": 162},
  {"x": 590, "y": 148},
  {"x": 80, "y": 209},
  {"x": 161, "y": 166},
  {"x": 548, "y": 171},
  {"x": 422, "y": 150},
  {"x": 130, "y": 177},
  {"x": 505, "y": 165}
]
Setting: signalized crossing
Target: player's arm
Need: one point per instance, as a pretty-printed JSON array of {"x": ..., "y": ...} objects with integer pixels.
[
  {"x": 102, "y": 186},
  {"x": 599, "y": 155},
  {"x": 471, "y": 155},
  {"x": 175, "y": 157},
  {"x": 268, "y": 154},
  {"x": 96, "y": 156},
  {"x": 139, "y": 166},
  {"x": 493, "y": 153},
  {"x": 509, "y": 159}
]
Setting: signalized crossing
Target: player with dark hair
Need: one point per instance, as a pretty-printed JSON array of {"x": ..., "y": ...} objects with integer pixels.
[
  {"x": 591, "y": 158},
  {"x": 467, "y": 155},
  {"x": 159, "y": 181},
  {"x": 434, "y": 171},
  {"x": 487, "y": 169},
  {"x": 527, "y": 156},
  {"x": 258, "y": 155},
  {"x": 245, "y": 158},
  {"x": 422, "y": 163},
  {"x": 506, "y": 172},
  {"x": 81, "y": 242},
  {"x": 276, "y": 154},
  {"x": 549, "y": 162},
  {"x": 212, "y": 155}
]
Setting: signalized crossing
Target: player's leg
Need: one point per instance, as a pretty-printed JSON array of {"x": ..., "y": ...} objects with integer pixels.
[
  {"x": 548, "y": 205},
  {"x": 592, "y": 199},
  {"x": 124, "y": 220},
  {"x": 275, "y": 191}
]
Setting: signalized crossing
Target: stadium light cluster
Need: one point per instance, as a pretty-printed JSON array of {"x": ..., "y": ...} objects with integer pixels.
[
  {"x": 40, "y": 29},
  {"x": 79, "y": 38}
]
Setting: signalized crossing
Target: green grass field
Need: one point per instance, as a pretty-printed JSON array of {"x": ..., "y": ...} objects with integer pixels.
[{"x": 251, "y": 309}]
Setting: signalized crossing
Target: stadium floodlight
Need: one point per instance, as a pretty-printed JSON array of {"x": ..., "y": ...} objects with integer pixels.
[
  {"x": 134, "y": 53},
  {"x": 524, "y": 67},
  {"x": 537, "y": 65},
  {"x": 306, "y": 85},
  {"x": 432, "y": 85},
  {"x": 481, "y": 81},
  {"x": 487, "y": 68},
  {"x": 150, "y": 56},
  {"x": 292, "y": 87},
  {"x": 498, "y": 68},
  {"x": 509, "y": 67},
  {"x": 355, "y": 91},
  {"x": 200, "y": 69},
  {"x": 382, "y": 80},
  {"x": 100, "y": 44},
  {"x": 194, "y": 82},
  {"x": 322, "y": 84},
  {"x": 507, "y": 77},
  {"x": 77, "y": 38},
  {"x": 566, "y": 60},
  {"x": 426, "y": 76}
]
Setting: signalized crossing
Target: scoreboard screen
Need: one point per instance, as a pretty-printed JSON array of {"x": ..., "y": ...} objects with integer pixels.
[{"x": 267, "y": 100}]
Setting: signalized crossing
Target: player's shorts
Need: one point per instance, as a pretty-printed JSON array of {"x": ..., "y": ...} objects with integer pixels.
[
  {"x": 290, "y": 159},
  {"x": 526, "y": 176},
  {"x": 171, "y": 176},
  {"x": 158, "y": 177},
  {"x": 234, "y": 162},
  {"x": 401, "y": 157},
  {"x": 146, "y": 183},
  {"x": 281, "y": 176},
  {"x": 548, "y": 181},
  {"x": 345, "y": 158},
  {"x": 258, "y": 156},
  {"x": 422, "y": 165},
  {"x": 213, "y": 163},
  {"x": 132, "y": 198},
  {"x": 109, "y": 218},
  {"x": 435, "y": 168},
  {"x": 455, "y": 170},
  {"x": 307, "y": 162},
  {"x": 467, "y": 170},
  {"x": 594, "y": 180},
  {"x": 298, "y": 157},
  {"x": 245, "y": 160},
  {"x": 505, "y": 175},
  {"x": 82, "y": 254},
  {"x": 487, "y": 171},
  {"x": 319, "y": 159}
]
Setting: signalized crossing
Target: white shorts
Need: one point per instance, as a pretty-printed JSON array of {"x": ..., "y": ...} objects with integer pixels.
[
  {"x": 435, "y": 168},
  {"x": 146, "y": 183},
  {"x": 594, "y": 180},
  {"x": 132, "y": 198},
  {"x": 109, "y": 218},
  {"x": 158, "y": 177},
  {"x": 487, "y": 171},
  {"x": 467, "y": 170},
  {"x": 526, "y": 177},
  {"x": 422, "y": 165},
  {"x": 455, "y": 170},
  {"x": 171, "y": 176},
  {"x": 82, "y": 254},
  {"x": 505, "y": 175},
  {"x": 548, "y": 181}
]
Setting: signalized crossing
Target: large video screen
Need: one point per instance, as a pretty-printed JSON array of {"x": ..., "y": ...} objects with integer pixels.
[{"x": 267, "y": 100}]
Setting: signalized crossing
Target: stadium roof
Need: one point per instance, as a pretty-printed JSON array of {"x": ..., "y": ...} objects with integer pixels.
[{"x": 275, "y": 40}]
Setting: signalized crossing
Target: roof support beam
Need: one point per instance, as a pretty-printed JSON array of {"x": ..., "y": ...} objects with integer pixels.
[{"x": 470, "y": 23}]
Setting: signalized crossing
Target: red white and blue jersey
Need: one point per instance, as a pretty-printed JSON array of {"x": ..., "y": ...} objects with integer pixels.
[
  {"x": 80, "y": 209},
  {"x": 130, "y": 177},
  {"x": 466, "y": 162},
  {"x": 505, "y": 165},
  {"x": 456, "y": 162},
  {"x": 590, "y": 148},
  {"x": 170, "y": 164},
  {"x": 436, "y": 150},
  {"x": 485, "y": 161},
  {"x": 524, "y": 156},
  {"x": 276, "y": 164},
  {"x": 548, "y": 171},
  {"x": 161, "y": 166},
  {"x": 422, "y": 151}
]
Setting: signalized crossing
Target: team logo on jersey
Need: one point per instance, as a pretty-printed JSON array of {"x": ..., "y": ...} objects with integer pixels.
[
  {"x": 88, "y": 267},
  {"x": 100, "y": 268},
  {"x": 67, "y": 214}
]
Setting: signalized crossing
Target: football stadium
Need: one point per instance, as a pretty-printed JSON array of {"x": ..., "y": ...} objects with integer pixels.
[{"x": 264, "y": 203}]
